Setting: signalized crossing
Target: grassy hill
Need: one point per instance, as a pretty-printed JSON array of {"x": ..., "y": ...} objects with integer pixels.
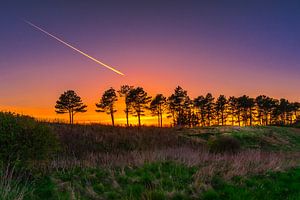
[
  {"x": 60, "y": 161},
  {"x": 269, "y": 138}
]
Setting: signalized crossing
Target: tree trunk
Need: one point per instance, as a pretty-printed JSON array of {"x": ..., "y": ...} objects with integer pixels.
[
  {"x": 70, "y": 117},
  {"x": 161, "y": 124},
  {"x": 127, "y": 111},
  {"x": 173, "y": 117},
  {"x": 112, "y": 118},
  {"x": 222, "y": 118},
  {"x": 139, "y": 118},
  {"x": 250, "y": 118},
  {"x": 158, "y": 120}
]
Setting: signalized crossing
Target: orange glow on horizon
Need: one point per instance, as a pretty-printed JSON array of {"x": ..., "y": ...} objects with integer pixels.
[{"x": 46, "y": 114}]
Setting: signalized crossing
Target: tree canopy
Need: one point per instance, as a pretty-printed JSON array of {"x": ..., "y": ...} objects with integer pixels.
[
  {"x": 138, "y": 99},
  {"x": 70, "y": 102},
  {"x": 107, "y": 102}
]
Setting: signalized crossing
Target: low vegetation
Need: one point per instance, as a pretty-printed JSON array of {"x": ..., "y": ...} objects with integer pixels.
[
  {"x": 13, "y": 186},
  {"x": 23, "y": 140},
  {"x": 267, "y": 138},
  {"x": 165, "y": 180},
  {"x": 59, "y": 161}
]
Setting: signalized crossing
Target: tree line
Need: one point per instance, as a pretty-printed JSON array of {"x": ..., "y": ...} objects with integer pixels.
[{"x": 184, "y": 111}]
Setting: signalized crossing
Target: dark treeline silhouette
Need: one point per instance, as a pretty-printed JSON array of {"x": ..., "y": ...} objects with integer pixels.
[{"x": 184, "y": 111}]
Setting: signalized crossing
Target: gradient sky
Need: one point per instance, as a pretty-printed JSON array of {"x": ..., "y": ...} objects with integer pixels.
[{"x": 222, "y": 47}]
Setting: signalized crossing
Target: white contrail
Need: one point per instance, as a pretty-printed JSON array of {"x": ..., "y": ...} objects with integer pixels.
[{"x": 86, "y": 55}]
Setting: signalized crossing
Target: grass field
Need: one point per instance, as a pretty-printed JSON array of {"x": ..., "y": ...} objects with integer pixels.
[
  {"x": 103, "y": 162},
  {"x": 269, "y": 138}
]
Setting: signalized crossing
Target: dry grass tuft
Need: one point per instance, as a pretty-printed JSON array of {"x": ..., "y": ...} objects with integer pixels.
[{"x": 11, "y": 186}]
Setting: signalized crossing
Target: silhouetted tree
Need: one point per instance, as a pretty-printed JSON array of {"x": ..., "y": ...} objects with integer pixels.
[
  {"x": 260, "y": 101},
  {"x": 123, "y": 92},
  {"x": 265, "y": 106},
  {"x": 190, "y": 115},
  {"x": 70, "y": 102},
  {"x": 179, "y": 103},
  {"x": 209, "y": 107},
  {"x": 233, "y": 109},
  {"x": 172, "y": 109},
  {"x": 221, "y": 106},
  {"x": 251, "y": 108},
  {"x": 107, "y": 102},
  {"x": 199, "y": 104},
  {"x": 157, "y": 106},
  {"x": 281, "y": 112},
  {"x": 138, "y": 100},
  {"x": 246, "y": 106}
]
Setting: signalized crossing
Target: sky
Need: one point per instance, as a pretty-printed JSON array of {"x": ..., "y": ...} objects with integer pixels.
[{"x": 222, "y": 47}]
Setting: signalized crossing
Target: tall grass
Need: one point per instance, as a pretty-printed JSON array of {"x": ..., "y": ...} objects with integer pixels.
[
  {"x": 12, "y": 186},
  {"x": 83, "y": 140},
  {"x": 106, "y": 146},
  {"x": 209, "y": 164}
]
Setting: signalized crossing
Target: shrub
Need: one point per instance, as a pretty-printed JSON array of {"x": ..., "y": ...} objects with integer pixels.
[
  {"x": 22, "y": 140},
  {"x": 224, "y": 144}
]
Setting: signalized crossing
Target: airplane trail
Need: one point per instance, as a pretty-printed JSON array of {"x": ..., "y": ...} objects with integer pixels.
[{"x": 74, "y": 48}]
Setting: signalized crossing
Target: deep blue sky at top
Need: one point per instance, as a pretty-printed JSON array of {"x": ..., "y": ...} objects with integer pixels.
[{"x": 263, "y": 25}]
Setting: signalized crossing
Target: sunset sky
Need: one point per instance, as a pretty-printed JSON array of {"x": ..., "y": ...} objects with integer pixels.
[{"x": 223, "y": 47}]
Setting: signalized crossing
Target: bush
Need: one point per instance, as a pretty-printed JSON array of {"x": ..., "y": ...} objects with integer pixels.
[
  {"x": 224, "y": 144},
  {"x": 22, "y": 140}
]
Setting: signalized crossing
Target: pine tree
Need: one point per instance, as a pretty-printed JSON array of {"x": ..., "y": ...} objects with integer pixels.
[
  {"x": 221, "y": 107},
  {"x": 123, "y": 92},
  {"x": 138, "y": 100},
  {"x": 179, "y": 104},
  {"x": 70, "y": 102},
  {"x": 158, "y": 106},
  {"x": 107, "y": 102}
]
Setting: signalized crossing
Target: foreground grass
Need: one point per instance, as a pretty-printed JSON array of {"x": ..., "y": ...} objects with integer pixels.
[
  {"x": 12, "y": 185},
  {"x": 103, "y": 162},
  {"x": 280, "y": 185},
  {"x": 166, "y": 180}
]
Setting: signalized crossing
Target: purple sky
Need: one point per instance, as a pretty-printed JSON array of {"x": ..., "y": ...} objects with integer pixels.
[{"x": 223, "y": 47}]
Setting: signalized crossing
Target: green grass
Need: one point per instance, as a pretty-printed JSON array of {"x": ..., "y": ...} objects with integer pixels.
[
  {"x": 151, "y": 181},
  {"x": 162, "y": 181},
  {"x": 204, "y": 179},
  {"x": 283, "y": 185},
  {"x": 268, "y": 138}
]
